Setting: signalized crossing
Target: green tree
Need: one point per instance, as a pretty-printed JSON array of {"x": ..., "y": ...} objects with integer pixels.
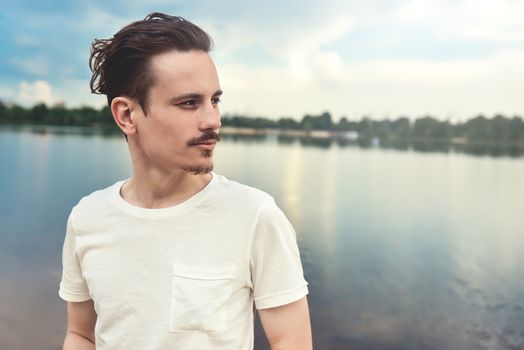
[
  {"x": 288, "y": 124},
  {"x": 365, "y": 128},
  {"x": 429, "y": 128},
  {"x": 516, "y": 125},
  {"x": 343, "y": 125},
  {"x": 39, "y": 113},
  {"x": 478, "y": 129},
  {"x": 307, "y": 123},
  {"x": 400, "y": 128}
]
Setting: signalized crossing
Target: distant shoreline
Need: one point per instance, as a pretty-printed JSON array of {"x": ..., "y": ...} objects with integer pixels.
[
  {"x": 319, "y": 135},
  {"x": 479, "y": 130}
]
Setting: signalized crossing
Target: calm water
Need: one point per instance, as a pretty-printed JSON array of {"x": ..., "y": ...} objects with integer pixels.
[{"x": 402, "y": 249}]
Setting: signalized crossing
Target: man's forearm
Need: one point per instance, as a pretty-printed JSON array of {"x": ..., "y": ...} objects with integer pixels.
[
  {"x": 293, "y": 344},
  {"x": 74, "y": 341},
  {"x": 291, "y": 347}
]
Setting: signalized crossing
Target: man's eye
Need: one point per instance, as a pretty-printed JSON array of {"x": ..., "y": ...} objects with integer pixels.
[
  {"x": 216, "y": 100},
  {"x": 188, "y": 103}
]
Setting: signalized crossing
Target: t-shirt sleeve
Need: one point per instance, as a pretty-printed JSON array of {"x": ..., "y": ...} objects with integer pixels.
[
  {"x": 73, "y": 286},
  {"x": 276, "y": 270}
]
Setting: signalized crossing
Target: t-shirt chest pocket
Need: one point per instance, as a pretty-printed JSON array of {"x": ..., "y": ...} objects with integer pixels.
[{"x": 199, "y": 297}]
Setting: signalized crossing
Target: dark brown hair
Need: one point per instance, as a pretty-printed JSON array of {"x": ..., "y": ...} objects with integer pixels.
[{"x": 120, "y": 64}]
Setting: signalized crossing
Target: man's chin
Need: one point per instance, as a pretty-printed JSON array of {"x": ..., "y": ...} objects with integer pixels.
[
  {"x": 198, "y": 169},
  {"x": 207, "y": 153}
]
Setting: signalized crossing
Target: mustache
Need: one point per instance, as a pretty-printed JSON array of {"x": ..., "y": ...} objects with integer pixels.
[{"x": 208, "y": 135}]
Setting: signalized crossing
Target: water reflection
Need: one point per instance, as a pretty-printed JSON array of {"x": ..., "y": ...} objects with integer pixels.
[
  {"x": 493, "y": 150},
  {"x": 291, "y": 190},
  {"x": 403, "y": 249}
]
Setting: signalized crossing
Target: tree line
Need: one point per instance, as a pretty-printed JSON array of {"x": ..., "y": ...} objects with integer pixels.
[
  {"x": 41, "y": 114},
  {"x": 497, "y": 129}
]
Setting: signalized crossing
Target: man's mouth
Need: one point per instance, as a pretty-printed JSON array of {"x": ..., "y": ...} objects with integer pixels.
[
  {"x": 207, "y": 145},
  {"x": 210, "y": 138}
]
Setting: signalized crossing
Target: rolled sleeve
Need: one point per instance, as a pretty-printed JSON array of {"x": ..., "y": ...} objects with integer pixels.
[
  {"x": 276, "y": 269},
  {"x": 73, "y": 286}
]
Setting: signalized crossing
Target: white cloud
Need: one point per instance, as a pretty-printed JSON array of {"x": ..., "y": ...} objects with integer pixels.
[
  {"x": 500, "y": 20},
  {"x": 305, "y": 69},
  {"x": 104, "y": 22},
  {"x": 36, "y": 65},
  {"x": 37, "y": 92},
  {"x": 79, "y": 94},
  {"x": 303, "y": 40},
  {"x": 494, "y": 20},
  {"x": 27, "y": 40},
  {"x": 300, "y": 53},
  {"x": 72, "y": 92},
  {"x": 6, "y": 93},
  {"x": 455, "y": 89},
  {"x": 316, "y": 77},
  {"x": 286, "y": 40},
  {"x": 326, "y": 66},
  {"x": 458, "y": 88}
]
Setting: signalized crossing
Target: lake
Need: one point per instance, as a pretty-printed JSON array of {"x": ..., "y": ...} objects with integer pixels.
[{"x": 402, "y": 248}]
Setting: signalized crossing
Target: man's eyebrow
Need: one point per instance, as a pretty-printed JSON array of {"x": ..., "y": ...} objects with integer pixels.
[{"x": 192, "y": 95}]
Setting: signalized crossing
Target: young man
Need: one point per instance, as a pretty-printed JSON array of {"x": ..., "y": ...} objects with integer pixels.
[{"x": 176, "y": 256}]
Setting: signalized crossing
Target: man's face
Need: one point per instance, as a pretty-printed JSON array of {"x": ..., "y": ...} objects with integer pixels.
[{"x": 183, "y": 118}]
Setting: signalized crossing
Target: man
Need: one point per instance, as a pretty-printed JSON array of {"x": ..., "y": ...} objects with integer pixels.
[{"x": 176, "y": 256}]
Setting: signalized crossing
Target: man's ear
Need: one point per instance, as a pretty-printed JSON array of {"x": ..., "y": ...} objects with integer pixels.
[{"x": 122, "y": 110}]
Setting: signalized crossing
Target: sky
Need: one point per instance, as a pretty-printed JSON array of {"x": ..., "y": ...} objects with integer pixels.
[{"x": 385, "y": 59}]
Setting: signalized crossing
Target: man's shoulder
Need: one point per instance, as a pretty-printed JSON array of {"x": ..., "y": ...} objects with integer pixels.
[
  {"x": 233, "y": 190},
  {"x": 95, "y": 204},
  {"x": 98, "y": 196}
]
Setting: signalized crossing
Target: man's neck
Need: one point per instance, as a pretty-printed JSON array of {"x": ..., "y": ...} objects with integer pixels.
[{"x": 154, "y": 189}]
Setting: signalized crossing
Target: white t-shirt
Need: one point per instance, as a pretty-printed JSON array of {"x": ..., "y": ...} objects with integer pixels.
[{"x": 183, "y": 277}]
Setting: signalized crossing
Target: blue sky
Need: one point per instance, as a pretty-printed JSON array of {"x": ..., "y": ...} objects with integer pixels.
[{"x": 450, "y": 59}]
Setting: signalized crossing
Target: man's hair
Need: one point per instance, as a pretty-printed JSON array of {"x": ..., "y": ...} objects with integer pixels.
[{"x": 121, "y": 64}]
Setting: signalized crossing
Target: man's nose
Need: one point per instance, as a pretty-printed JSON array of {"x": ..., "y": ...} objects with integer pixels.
[{"x": 210, "y": 119}]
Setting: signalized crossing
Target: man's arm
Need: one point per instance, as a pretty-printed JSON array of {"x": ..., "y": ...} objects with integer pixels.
[
  {"x": 81, "y": 320},
  {"x": 287, "y": 327}
]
